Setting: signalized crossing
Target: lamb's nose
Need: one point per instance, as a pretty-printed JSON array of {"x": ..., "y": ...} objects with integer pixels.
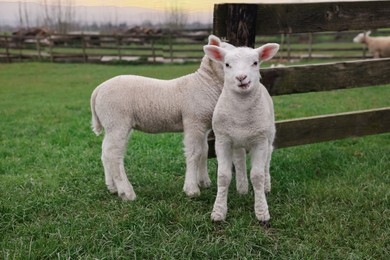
[{"x": 241, "y": 77}]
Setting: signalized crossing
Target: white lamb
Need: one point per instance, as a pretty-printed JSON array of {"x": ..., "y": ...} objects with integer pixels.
[
  {"x": 151, "y": 105},
  {"x": 377, "y": 46},
  {"x": 243, "y": 118}
]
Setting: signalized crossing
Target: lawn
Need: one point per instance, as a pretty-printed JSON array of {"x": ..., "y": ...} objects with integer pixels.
[{"x": 328, "y": 200}]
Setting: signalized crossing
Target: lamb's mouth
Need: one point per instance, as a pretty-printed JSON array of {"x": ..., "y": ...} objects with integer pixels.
[{"x": 244, "y": 85}]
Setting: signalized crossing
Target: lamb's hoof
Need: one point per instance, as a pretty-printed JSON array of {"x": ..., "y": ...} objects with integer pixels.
[
  {"x": 242, "y": 191},
  {"x": 205, "y": 183},
  {"x": 192, "y": 191},
  {"x": 265, "y": 224},
  {"x": 112, "y": 189},
  {"x": 264, "y": 217},
  {"x": 127, "y": 196},
  {"x": 217, "y": 216},
  {"x": 193, "y": 194}
]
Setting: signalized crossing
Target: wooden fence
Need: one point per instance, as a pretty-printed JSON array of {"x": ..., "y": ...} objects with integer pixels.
[
  {"x": 161, "y": 47},
  {"x": 169, "y": 47},
  {"x": 240, "y": 23}
]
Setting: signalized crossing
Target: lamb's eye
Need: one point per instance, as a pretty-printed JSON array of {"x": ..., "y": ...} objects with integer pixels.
[
  {"x": 255, "y": 63},
  {"x": 227, "y": 65}
]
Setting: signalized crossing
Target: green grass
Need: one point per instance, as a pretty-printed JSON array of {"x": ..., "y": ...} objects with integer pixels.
[{"x": 328, "y": 200}]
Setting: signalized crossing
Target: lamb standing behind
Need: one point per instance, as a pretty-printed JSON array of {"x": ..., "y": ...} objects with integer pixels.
[
  {"x": 377, "y": 46},
  {"x": 243, "y": 118},
  {"x": 151, "y": 105}
]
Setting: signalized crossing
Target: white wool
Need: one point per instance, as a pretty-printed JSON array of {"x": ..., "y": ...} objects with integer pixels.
[
  {"x": 379, "y": 47},
  {"x": 243, "y": 120},
  {"x": 129, "y": 102}
]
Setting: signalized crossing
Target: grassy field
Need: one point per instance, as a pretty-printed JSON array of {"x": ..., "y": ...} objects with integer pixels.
[{"x": 328, "y": 200}]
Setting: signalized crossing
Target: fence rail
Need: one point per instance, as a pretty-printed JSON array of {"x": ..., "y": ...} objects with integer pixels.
[{"x": 177, "y": 47}]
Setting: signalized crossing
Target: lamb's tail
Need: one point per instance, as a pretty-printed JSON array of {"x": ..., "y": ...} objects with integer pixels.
[{"x": 96, "y": 125}]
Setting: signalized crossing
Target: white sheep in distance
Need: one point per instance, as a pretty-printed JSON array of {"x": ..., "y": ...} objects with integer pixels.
[
  {"x": 243, "y": 118},
  {"x": 151, "y": 105},
  {"x": 379, "y": 47}
]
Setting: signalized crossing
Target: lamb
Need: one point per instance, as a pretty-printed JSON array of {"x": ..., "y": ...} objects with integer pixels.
[
  {"x": 377, "y": 46},
  {"x": 129, "y": 102},
  {"x": 243, "y": 119}
]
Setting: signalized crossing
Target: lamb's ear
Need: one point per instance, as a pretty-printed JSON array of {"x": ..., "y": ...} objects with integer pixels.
[
  {"x": 214, "y": 40},
  {"x": 267, "y": 51},
  {"x": 367, "y": 33},
  {"x": 215, "y": 53}
]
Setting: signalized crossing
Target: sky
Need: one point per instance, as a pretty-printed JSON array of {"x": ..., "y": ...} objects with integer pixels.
[
  {"x": 153, "y": 10},
  {"x": 187, "y": 5}
]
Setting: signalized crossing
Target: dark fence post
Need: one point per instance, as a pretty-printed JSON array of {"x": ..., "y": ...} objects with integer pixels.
[
  {"x": 84, "y": 45},
  {"x": 288, "y": 47},
  {"x": 7, "y": 48},
  {"x": 119, "y": 43},
  {"x": 241, "y": 24},
  {"x": 310, "y": 50},
  {"x": 21, "y": 46},
  {"x": 170, "y": 46},
  {"x": 153, "y": 50},
  {"x": 38, "y": 45},
  {"x": 51, "y": 44}
]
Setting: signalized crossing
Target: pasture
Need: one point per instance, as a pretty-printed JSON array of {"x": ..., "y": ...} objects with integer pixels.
[{"x": 328, "y": 200}]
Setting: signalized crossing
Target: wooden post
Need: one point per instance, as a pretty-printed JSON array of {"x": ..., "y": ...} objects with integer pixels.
[
  {"x": 21, "y": 46},
  {"x": 282, "y": 47},
  {"x": 310, "y": 45},
  {"x": 364, "y": 51},
  {"x": 118, "y": 40},
  {"x": 153, "y": 50},
  {"x": 85, "y": 57},
  {"x": 288, "y": 48},
  {"x": 38, "y": 44},
  {"x": 241, "y": 24},
  {"x": 170, "y": 46},
  {"x": 7, "y": 48},
  {"x": 51, "y": 43}
]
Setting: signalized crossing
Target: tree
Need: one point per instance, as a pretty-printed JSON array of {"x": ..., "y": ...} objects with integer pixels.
[
  {"x": 175, "y": 17},
  {"x": 59, "y": 16}
]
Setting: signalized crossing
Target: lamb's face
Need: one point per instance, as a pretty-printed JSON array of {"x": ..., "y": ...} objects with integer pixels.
[
  {"x": 241, "y": 65},
  {"x": 241, "y": 69},
  {"x": 359, "y": 38},
  {"x": 216, "y": 67}
]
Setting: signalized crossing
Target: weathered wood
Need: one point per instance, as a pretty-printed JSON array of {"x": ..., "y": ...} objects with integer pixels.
[
  {"x": 118, "y": 46},
  {"x": 241, "y": 24},
  {"x": 332, "y": 127},
  {"x": 84, "y": 47},
  {"x": 311, "y": 17},
  {"x": 220, "y": 17},
  {"x": 7, "y": 53},
  {"x": 330, "y": 76},
  {"x": 327, "y": 128}
]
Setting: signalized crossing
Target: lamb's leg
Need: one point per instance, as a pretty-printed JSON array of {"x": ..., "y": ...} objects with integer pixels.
[
  {"x": 239, "y": 161},
  {"x": 203, "y": 176},
  {"x": 259, "y": 156},
  {"x": 113, "y": 152},
  {"x": 267, "y": 179},
  {"x": 224, "y": 158},
  {"x": 193, "y": 147}
]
